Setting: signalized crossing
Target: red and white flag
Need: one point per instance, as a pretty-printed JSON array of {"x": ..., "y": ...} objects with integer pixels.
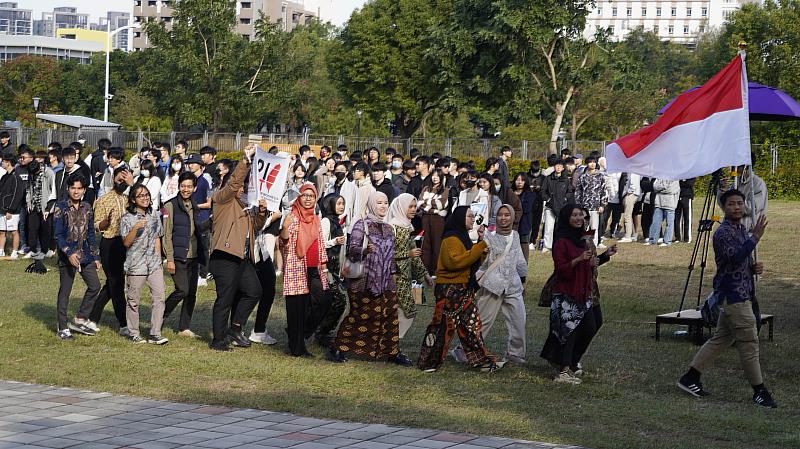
[{"x": 703, "y": 130}]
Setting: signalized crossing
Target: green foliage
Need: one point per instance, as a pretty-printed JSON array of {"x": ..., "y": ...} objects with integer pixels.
[{"x": 26, "y": 77}]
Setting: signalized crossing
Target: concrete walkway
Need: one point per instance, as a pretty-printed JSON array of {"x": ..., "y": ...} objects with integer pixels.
[{"x": 39, "y": 416}]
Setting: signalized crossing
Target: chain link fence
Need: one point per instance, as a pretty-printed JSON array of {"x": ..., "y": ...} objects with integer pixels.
[{"x": 767, "y": 156}]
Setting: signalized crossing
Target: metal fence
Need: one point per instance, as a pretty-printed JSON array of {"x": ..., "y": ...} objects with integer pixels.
[{"x": 461, "y": 148}]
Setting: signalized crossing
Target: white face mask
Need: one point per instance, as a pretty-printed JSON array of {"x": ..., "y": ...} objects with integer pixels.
[
  {"x": 176, "y": 167},
  {"x": 146, "y": 173}
]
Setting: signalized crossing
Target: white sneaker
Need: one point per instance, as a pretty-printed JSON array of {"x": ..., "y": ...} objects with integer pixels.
[
  {"x": 532, "y": 247},
  {"x": 459, "y": 355},
  {"x": 665, "y": 244},
  {"x": 91, "y": 325},
  {"x": 278, "y": 273},
  {"x": 647, "y": 243},
  {"x": 29, "y": 255},
  {"x": 187, "y": 333},
  {"x": 124, "y": 332},
  {"x": 625, "y": 240},
  {"x": 2, "y": 253},
  {"x": 566, "y": 377},
  {"x": 545, "y": 250},
  {"x": 202, "y": 282},
  {"x": 14, "y": 255},
  {"x": 660, "y": 240},
  {"x": 262, "y": 337},
  {"x": 50, "y": 254}
]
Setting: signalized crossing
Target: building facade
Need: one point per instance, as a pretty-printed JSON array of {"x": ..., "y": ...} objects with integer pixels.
[
  {"x": 67, "y": 49},
  {"x": 288, "y": 13},
  {"x": 15, "y": 21},
  {"x": 78, "y": 34},
  {"x": 121, "y": 40},
  {"x": 677, "y": 21},
  {"x": 61, "y": 17}
]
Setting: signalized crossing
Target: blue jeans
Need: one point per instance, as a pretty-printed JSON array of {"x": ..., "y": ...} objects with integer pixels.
[{"x": 659, "y": 215}]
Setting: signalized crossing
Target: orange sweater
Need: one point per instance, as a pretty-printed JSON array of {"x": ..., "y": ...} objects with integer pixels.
[{"x": 455, "y": 261}]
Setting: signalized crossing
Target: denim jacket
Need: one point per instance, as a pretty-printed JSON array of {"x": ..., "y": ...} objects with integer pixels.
[{"x": 74, "y": 232}]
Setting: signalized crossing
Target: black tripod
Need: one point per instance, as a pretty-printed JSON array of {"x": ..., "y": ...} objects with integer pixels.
[{"x": 703, "y": 238}]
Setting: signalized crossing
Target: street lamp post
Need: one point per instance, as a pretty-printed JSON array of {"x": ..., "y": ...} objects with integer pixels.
[
  {"x": 110, "y": 34},
  {"x": 36, "y": 104},
  {"x": 358, "y": 129}
]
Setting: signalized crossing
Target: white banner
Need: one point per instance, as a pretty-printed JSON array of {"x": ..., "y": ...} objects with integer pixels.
[{"x": 268, "y": 179}]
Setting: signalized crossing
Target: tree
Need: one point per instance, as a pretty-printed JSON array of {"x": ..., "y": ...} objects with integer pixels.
[
  {"x": 26, "y": 77},
  {"x": 380, "y": 63},
  {"x": 491, "y": 50}
]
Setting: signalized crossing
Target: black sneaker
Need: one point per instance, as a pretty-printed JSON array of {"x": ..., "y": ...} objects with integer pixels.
[
  {"x": 157, "y": 340},
  {"x": 220, "y": 345},
  {"x": 238, "y": 339},
  {"x": 402, "y": 360},
  {"x": 79, "y": 326},
  {"x": 694, "y": 388},
  {"x": 764, "y": 399}
]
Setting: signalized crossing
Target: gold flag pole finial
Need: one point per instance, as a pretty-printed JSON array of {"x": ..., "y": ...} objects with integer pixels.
[{"x": 742, "y": 45}]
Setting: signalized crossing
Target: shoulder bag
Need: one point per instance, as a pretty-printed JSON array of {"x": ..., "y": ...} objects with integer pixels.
[{"x": 355, "y": 270}]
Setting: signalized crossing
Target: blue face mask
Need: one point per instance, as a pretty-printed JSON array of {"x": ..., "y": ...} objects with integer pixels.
[{"x": 397, "y": 164}]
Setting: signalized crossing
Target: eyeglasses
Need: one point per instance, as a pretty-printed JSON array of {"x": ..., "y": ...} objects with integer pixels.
[
  {"x": 142, "y": 196},
  {"x": 308, "y": 196}
]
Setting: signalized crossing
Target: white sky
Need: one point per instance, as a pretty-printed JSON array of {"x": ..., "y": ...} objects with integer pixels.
[{"x": 336, "y": 11}]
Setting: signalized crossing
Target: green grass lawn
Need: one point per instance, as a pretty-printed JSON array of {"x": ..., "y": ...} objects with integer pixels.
[{"x": 628, "y": 398}]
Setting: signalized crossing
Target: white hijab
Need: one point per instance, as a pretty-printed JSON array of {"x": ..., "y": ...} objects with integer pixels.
[{"x": 397, "y": 211}]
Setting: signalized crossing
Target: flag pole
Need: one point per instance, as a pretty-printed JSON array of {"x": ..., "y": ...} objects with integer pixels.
[{"x": 751, "y": 172}]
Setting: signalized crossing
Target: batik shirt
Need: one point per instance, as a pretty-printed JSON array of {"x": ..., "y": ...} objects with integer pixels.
[
  {"x": 590, "y": 191},
  {"x": 733, "y": 249},
  {"x": 74, "y": 232},
  {"x": 379, "y": 265},
  {"x": 142, "y": 258}
]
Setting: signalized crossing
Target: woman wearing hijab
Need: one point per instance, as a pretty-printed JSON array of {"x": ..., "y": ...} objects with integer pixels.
[
  {"x": 501, "y": 278},
  {"x": 333, "y": 234},
  {"x": 572, "y": 320},
  {"x": 455, "y": 310},
  {"x": 407, "y": 256},
  {"x": 305, "y": 281},
  {"x": 371, "y": 328}
]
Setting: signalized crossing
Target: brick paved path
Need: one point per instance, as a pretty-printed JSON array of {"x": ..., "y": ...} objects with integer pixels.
[{"x": 39, "y": 416}]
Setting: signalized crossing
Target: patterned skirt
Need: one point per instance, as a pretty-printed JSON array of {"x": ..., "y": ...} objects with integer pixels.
[{"x": 371, "y": 328}]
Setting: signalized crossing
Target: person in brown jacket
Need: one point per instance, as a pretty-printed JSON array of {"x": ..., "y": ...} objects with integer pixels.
[{"x": 233, "y": 259}]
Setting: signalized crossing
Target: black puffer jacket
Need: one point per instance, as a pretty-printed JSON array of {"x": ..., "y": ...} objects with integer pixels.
[
  {"x": 557, "y": 191},
  {"x": 12, "y": 192},
  {"x": 687, "y": 188}
]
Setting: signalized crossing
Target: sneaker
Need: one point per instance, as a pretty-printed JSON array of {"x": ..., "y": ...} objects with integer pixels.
[
  {"x": 492, "y": 367},
  {"x": 459, "y": 355},
  {"x": 262, "y": 337},
  {"x": 430, "y": 370},
  {"x": 660, "y": 240},
  {"x": 515, "y": 359},
  {"x": 2, "y": 253},
  {"x": 187, "y": 333},
  {"x": 238, "y": 339},
  {"x": 65, "y": 335},
  {"x": 209, "y": 276},
  {"x": 14, "y": 255},
  {"x": 578, "y": 371},
  {"x": 278, "y": 273},
  {"x": 764, "y": 399},
  {"x": 694, "y": 388},
  {"x": 123, "y": 331},
  {"x": 92, "y": 325},
  {"x": 220, "y": 345},
  {"x": 29, "y": 255},
  {"x": 664, "y": 245},
  {"x": 202, "y": 282},
  {"x": 647, "y": 243},
  {"x": 625, "y": 240},
  {"x": 50, "y": 254},
  {"x": 545, "y": 250},
  {"x": 566, "y": 377},
  {"x": 532, "y": 247},
  {"x": 135, "y": 339},
  {"x": 402, "y": 360},
  {"x": 79, "y": 326},
  {"x": 157, "y": 340}
]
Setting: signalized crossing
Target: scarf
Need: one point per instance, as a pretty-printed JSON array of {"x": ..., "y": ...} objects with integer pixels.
[
  {"x": 308, "y": 221},
  {"x": 564, "y": 230},
  {"x": 372, "y": 206},
  {"x": 506, "y": 230},
  {"x": 397, "y": 211}
]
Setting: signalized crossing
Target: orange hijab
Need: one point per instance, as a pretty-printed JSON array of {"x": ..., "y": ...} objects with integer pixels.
[{"x": 308, "y": 221}]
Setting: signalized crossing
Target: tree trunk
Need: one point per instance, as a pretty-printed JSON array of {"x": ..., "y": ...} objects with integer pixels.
[
  {"x": 406, "y": 126},
  {"x": 560, "y": 107}
]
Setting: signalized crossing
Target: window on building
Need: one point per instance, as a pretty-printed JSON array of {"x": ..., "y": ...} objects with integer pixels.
[
  {"x": 600, "y": 12},
  {"x": 686, "y": 29},
  {"x": 671, "y": 29},
  {"x": 244, "y": 21},
  {"x": 246, "y": 36},
  {"x": 614, "y": 11},
  {"x": 702, "y": 29},
  {"x": 704, "y": 11},
  {"x": 644, "y": 11},
  {"x": 247, "y": 5},
  {"x": 152, "y": 2},
  {"x": 137, "y": 3},
  {"x": 167, "y": 19},
  {"x": 611, "y": 29},
  {"x": 658, "y": 11},
  {"x": 629, "y": 12},
  {"x": 137, "y": 34},
  {"x": 688, "y": 11},
  {"x": 655, "y": 29},
  {"x": 673, "y": 12}
]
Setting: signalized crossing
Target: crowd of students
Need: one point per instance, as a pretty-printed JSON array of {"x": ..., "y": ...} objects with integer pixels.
[{"x": 356, "y": 234}]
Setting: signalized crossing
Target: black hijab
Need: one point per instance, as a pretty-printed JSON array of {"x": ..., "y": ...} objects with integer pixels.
[
  {"x": 456, "y": 226},
  {"x": 565, "y": 230},
  {"x": 328, "y": 207}
]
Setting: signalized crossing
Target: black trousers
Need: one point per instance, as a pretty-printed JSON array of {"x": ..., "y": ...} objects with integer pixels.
[
  {"x": 683, "y": 220},
  {"x": 538, "y": 210},
  {"x": 38, "y": 232},
  {"x": 204, "y": 269},
  {"x": 234, "y": 277},
  {"x": 66, "y": 278},
  {"x": 185, "y": 280},
  {"x": 305, "y": 312},
  {"x": 571, "y": 352},
  {"x": 647, "y": 219},
  {"x": 266, "y": 275},
  {"x": 614, "y": 212},
  {"x": 112, "y": 256}
]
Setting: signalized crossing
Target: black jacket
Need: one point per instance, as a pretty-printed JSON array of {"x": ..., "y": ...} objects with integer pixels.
[
  {"x": 387, "y": 188},
  {"x": 12, "y": 192},
  {"x": 557, "y": 191},
  {"x": 687, "y": 188},
  {"x": 97, "y": 166}
]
